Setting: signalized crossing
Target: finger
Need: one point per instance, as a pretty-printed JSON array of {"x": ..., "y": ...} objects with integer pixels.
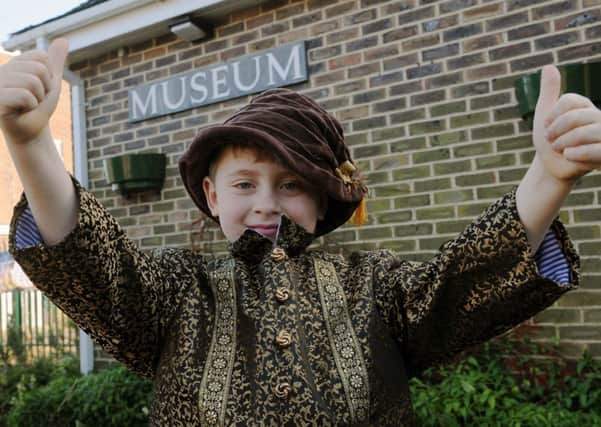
[
  {"x": 32, "y": 64},
  {"x": 590, "y": 153},
  {"x": 31, "y": 83},
  {"x": 567, "y": 102},
  {"x": 581, "y": 135},
  {"x": 24, "y": 81},
  {"x": 17, "y": 101},
  {"x": 57, "y": 54},
  {"x": 38, "y": 69},
  {"x": 550, "y": 87},
  {"x": 572, "y": 119},
  {"x": 33, "y": 55}
]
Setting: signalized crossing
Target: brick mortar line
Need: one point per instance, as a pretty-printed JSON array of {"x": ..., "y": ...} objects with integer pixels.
[{"x": 388, "y": 86}]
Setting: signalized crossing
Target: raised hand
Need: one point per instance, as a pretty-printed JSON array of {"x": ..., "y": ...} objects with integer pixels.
[
  {"x": 30, "y": 85},
  {"x": 566, "y": 131}
]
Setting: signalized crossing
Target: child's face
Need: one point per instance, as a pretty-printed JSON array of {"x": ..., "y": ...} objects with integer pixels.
[{"x": 247, "y": 192}]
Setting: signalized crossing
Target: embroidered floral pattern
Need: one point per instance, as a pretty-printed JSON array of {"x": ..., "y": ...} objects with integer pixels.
[
  {"x": 343, "y": 341},
  {"x": 220, "y": 359}
]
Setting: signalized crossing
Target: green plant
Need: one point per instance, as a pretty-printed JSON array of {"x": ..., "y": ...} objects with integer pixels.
[
  {"x": 502, "y": 384},
  {"x": 112, "y": 397},
  {"x": 484, "y": 394},
  {"x": 15, "y": 380},
  {"x": 544, "y": 376}
]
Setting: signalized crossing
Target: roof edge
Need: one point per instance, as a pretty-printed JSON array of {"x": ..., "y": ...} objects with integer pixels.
[
  {"x": 53, "y": 28},
  {"x": 114, "y": 24}
]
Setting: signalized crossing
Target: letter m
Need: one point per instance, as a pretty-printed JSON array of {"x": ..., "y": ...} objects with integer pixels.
[
  {"x": 140, "y": 107},
  {"x": 294, "y": 62}
]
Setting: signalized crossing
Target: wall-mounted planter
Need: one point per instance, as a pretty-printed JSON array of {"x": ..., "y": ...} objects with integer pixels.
[
  {"x": 584, "y": 79},
  {"x": 133, "y": 173}
]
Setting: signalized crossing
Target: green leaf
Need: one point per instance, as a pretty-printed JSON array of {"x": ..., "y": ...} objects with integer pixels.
[{"x": 467, "y": 387}]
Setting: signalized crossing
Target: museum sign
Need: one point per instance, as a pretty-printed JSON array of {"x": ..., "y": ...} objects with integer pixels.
[{"x": 278, "y": 67}]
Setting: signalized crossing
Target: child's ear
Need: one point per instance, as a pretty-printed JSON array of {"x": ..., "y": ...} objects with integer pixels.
[{"x": 211, "y": 195}]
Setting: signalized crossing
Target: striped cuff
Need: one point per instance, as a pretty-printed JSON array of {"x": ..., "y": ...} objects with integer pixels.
[
  {"x": 27, "y": 233},
  {"x": 551, "y": 261}
]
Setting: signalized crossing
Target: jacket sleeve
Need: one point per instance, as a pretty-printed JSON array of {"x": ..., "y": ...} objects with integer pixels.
[
  {"x": 479, "y": 285},
  {"x": 122, "y": 297}
]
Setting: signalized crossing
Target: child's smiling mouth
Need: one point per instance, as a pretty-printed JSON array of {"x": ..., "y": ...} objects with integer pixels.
[{"x": 267, "y": 230}]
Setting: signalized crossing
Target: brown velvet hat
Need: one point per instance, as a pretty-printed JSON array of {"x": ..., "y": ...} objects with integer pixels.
[{"x": 301, "y": 134}]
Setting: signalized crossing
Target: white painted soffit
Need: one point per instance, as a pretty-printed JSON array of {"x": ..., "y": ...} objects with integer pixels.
[{"x": 116, "y": 23}]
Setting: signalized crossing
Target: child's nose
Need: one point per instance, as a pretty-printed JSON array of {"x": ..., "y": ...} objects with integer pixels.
[{"x": 267, "y": 203}]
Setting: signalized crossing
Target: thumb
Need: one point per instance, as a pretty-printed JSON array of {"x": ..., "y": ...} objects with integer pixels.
[
  {"x": 57, "y": 54},
  {"x": 550, "y": 89}
]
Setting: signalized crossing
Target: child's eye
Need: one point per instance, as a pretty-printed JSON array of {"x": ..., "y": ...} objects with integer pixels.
[
  {"x": 291, "y": 186},
  {"x": 243, "y": 185}
]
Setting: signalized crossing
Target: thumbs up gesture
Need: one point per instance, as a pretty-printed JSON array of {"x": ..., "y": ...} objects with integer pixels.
[
  {"x": 566, "y": 130},
  {"x": 30, "y": 85}
]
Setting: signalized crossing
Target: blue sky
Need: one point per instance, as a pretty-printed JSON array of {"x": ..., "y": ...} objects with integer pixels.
[{"x": 18, "y": 14}]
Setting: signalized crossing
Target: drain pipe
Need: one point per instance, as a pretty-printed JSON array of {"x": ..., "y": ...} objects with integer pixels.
[{"x": 80, "y": 171}]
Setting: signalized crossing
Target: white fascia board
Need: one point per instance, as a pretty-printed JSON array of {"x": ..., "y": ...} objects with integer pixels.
[
  {"x": 119, "y": 21},
  {"x": 138, "y": 19},
  {"x": 70, "y": 22}
]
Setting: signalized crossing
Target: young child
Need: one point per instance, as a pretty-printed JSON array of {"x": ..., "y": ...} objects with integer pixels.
[{"x": 273, "y": 333}]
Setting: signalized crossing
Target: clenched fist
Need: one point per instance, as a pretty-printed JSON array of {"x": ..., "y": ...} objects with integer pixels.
[
  {"x": 29, "y": 89},
  {"x": 566, "y": 131}
]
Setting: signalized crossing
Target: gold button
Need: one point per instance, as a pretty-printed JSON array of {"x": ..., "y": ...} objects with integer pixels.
[
  {"x": 282, "y": 294},
  {"x": 278, "y": 254},
  {"x": 284, "y": 339},
  {"x": 282, "y": 390}
]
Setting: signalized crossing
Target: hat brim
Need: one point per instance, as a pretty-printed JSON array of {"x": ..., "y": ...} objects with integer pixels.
[{"x": 194, "y": 167}]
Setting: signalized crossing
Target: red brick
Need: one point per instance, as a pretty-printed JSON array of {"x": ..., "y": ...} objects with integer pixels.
[
  {"x": 340, "y": 9},
  {"x": 287, "y": 12},
  {"x": 344, "y": 61},
  {"x": 509, "y": 51},
  {"x": 575, "y": 52},
  {"x": 482, "y": 12},
  {"x": 440, "y": 23},
  {"x": 486, "y": 72},
  {"x": 465, "y": 61},
  {"x": 506, "y": 21},
  {"x": 528, "y": 31},
  {"x": 557, "y": 8},
  {"x": 259, "y": 21},
  {"x": 244, "y": 14},
  {"x": 230, "y": 29},
  {"x": 421, "y": 42},
  {"x": 462, "y": 32},
  {"x": 379, "y": 53},
  {"x": 153, "y": 53},
  {"x": 416, "y": 15},
  {"x": 400, "y": 33},
  {"x": 482, "y": 42},
  {"x": 556, "y": 40}
]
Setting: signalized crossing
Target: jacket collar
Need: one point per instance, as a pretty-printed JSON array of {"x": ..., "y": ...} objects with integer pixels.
[{"x": 253, "y": 247}]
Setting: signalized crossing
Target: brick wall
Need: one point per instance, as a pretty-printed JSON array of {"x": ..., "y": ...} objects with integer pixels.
[{"x": 425, "y": 92}]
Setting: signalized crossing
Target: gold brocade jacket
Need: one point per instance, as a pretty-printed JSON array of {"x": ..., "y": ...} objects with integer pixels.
[{"x": 280, "y": 335}]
